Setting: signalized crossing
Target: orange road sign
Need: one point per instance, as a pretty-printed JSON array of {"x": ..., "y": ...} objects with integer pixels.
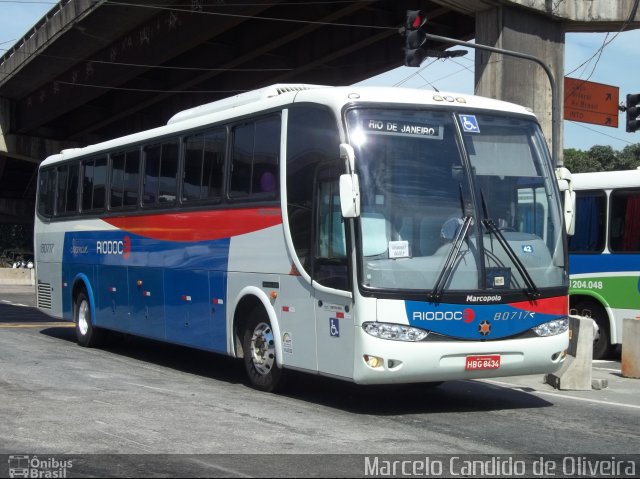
[{"x": 590, "y": 102}]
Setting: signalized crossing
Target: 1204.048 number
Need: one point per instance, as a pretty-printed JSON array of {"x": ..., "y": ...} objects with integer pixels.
[{"x": 586, "y": 284}]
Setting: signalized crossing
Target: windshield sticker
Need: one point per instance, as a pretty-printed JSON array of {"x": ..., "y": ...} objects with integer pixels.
[
  {"x": 399, "y": 249},
  {"x": 469, "y": 123},
  {"x": 403, "y": 128}
]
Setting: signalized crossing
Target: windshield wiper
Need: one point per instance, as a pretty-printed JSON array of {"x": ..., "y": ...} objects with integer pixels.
[
  {"x": 447, "y": 269},
  {"x": 532, "y": 290}
]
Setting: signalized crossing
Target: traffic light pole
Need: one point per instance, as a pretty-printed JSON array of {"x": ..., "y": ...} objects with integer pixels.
[{"x": 555, "y": 107}]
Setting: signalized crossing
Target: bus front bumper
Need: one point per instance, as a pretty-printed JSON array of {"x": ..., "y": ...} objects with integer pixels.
[{"x": 381, "y": 361}]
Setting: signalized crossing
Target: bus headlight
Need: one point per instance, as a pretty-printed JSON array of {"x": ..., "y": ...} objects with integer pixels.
[
  {"x": 557, "y": 326},
  {"x": 395, "y": 332}
]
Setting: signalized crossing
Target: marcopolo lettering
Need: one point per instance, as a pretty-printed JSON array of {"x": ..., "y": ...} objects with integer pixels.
[{"x": 483, "y": 299}]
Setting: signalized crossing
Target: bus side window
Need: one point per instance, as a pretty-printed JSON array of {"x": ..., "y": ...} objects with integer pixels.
[
  {"x": 204, "y": 166},
  {"x": 254, "y": 164},
  {"x": 591, "y": 212},
  {"x": 46, "y": 193},
  {"x": 67, "y": 189},
  {"x": 160, "y": 183},
  {"x": 625, "y": 221}
]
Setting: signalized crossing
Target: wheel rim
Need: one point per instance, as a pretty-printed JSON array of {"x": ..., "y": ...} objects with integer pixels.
[
  {"x": 83, "y": 317},
  {"x": 263, "y": 349}
]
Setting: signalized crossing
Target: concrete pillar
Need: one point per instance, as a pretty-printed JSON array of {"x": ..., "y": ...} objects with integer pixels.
[
  {"x": 517, "y": 80},
  {"x": 5, "y": 117},
  {"x": 575, "y": 372},
  {"x": 630, "y": 363}
]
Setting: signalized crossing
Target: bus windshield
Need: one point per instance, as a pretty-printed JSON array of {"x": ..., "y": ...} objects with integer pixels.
[{"x": 454, "y": 202}]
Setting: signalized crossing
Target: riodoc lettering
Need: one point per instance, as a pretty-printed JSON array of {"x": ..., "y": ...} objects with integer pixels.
[
  {"x": 437, "y": 315},
  {"x": 117, "y": 247},
  {"x": 110, "y": 247}
]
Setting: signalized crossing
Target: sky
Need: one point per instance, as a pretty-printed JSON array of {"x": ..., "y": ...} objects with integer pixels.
[{"x": 618, "y": 65}]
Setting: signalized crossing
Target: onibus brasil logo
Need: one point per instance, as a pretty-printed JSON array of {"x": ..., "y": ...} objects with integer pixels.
[{"x": 33, "y": 466}]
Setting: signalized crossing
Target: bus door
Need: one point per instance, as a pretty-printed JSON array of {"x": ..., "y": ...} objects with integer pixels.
[{"x": 330, "y": 269}]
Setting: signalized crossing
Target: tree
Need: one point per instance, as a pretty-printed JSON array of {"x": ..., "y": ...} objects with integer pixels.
[
  {"x": 578, "y": 161},
  {"x": 629, "y": 158},
  {"x": 602, "y": 158}
]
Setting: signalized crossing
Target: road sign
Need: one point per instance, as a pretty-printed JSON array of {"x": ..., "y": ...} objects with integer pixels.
[{"x": 590, "y": 102}]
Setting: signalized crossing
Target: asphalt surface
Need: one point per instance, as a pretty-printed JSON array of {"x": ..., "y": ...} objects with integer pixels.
[{"x": 142, "y": 408}]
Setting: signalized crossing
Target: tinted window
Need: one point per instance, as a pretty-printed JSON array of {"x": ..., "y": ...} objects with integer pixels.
[
  {"x": 67, "y": 189},
  {"x": 204, "y": 166},
  {"x": 46, "y": 192},
  {"x": 160, "y": 174},
  {"x": 99, "y": 183},
  {"x": 125, "y": 171},
  {"x": 254, "y": 168},
  {"x": 93, "y": 184},
  {"x": 117, "y": 180},
  {"x": 312, "y": 140}
]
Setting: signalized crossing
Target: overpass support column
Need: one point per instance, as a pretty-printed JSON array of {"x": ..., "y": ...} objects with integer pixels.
[
  {"x": 514, "y": 79},
  {"x": 5, "y": 115}
]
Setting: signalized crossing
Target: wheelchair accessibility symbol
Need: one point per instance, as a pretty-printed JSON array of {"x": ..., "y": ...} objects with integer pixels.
[
  {"x": 334, "y": 327},
  {"x": 469, "y": 123}
]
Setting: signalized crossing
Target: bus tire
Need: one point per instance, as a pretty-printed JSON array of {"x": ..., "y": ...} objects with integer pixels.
[
  {"x": 260, "y": 353},
  {"x": 87, "y": 334},
  {"x": 601, "y": 338}
]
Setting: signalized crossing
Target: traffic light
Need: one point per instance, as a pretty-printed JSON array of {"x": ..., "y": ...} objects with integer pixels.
[
  {"x": 414, "y": 38},
  {"x": 633, "y": 112}
]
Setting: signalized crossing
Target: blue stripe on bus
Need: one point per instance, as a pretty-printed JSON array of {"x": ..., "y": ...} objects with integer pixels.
[
  {"x": 478, "y": 321},
  {"x": 164, "y": 290},
  {"x": 603, "y": 263}
]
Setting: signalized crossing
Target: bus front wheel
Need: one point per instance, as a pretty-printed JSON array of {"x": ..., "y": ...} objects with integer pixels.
[
  {"x": 260, "y": 353},
  {"x": 86, "y": 334},
  {"x": 601, "y": 337}
]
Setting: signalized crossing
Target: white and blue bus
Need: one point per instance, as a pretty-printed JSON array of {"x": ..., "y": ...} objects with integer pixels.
[
  {"x": 604, "y": 253},
  {"x": 376, "y": 235}
]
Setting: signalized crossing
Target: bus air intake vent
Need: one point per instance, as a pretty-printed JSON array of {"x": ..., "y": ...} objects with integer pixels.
[
  {"x": 236, "y": 101},
  {"x": 44, "y": 295}
]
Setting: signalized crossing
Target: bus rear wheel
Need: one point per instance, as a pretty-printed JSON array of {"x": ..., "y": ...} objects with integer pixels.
[
  {"x": 601, "y": 338},
  {"x": 86, "y": 334},
  {"x": 260, "y": 354}
]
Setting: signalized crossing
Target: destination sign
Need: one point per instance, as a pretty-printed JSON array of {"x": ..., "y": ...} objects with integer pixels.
[{"x": 403, "y": 128}]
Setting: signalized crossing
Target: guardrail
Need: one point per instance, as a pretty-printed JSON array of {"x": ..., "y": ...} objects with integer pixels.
[{"x": 18, "y": 276}]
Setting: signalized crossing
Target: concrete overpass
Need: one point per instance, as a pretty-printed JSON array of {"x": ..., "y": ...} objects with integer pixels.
[{"x": 95, "y": 69}]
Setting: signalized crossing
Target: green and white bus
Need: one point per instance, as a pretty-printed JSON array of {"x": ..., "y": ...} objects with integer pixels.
[{"x": 604, "y": 261}]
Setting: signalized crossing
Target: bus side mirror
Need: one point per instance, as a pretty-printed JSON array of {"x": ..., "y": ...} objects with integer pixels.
[
  {"x": 350, "y": 195},
  {"x": 570, "y": 211},
  {"x": 349, "y": 184},
  {"x": 563, "y": 175}
]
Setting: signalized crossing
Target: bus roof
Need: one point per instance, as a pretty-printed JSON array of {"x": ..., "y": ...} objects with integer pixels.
[
  {"x": 282, "y": 94},
  {"x": 606, "y": 179}
]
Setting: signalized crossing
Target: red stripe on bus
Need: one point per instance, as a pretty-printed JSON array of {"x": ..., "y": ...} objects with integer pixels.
[
  {"x": 558, "y": 305},
  {"x": 199, "y": 225}
]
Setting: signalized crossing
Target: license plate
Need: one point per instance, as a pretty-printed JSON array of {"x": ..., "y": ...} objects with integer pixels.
[{"x": 475, "y": 363}]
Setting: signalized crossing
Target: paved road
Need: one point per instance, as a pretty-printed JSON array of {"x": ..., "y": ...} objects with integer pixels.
[{"x": 191, "y": 413}]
